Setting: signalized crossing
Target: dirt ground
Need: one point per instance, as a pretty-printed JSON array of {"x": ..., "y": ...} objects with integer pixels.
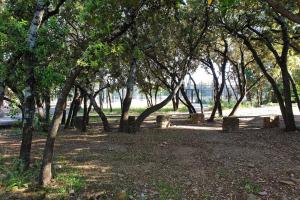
[{"x": 182, "y": 162}]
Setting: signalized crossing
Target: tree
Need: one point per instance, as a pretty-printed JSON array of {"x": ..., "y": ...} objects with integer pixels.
[{"x": 247, "y": 30}]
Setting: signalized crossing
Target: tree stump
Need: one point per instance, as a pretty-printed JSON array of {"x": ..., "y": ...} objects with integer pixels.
[
  {"x": 271, "y": 122},
  {"x": 163, "y": 121},
  {"x": 78, "y": 122},
  {"x": 230, "y": 124},
  {"x": 197, "y": 118},
  {"x": 131, "y": 124}
]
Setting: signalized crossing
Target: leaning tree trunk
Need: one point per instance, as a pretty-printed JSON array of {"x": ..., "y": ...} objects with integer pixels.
[
  {"x": 187, "y": 101},
  {"x": 152, "y": 109},
  {"x": 291, "y": 125},
  {"x": 46, "y": 167},
  {"x": 101, "y": 114},
  {"x": 237, "y": 104},
  {"x": 197, "y": 93}
]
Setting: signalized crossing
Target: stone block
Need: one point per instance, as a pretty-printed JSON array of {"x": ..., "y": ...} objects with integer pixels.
[
  {"x": 271, "y": 122},
  {"x": 197, "y": 118},
  {"x": 163, "y": 121},
  {"x": 230, "y": 124},
  {"x": 131, "y": 124}
]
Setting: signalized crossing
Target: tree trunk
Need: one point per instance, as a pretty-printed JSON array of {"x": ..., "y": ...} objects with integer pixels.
[
  {"x": 155, "y": 94},
  {"x": 29, "y": 91},
  {"x": 295, "y": 91},
  {"x": 29, "y": 110},
  {"x": 40, "y": 108},
  {"x": 175, "y": 101},
  {"x": 155, "y": 108},
  {"x": 129, "y": 95},
  {"x": 76, "y": 109},
  {"x": 217, "y": 104},
  {"x": 237, "y": 104},
  {"x": 187, "y": 101},
  {"x": 109, "y": 100},
  {"x": 101, "y": 114},
  {"x": 47, "y": 101},
  {"x": 88, "y": 113},
  {"x": 197, "y": 93},
  {"x": 85, "y": 114},
  {"x": 72, "y": 106},
  {"x": 63, "y": 119},
  {"x": 2, "y": 93},
  {"x": 46, "y": 167},
  {"x": 290, "y": 125}
]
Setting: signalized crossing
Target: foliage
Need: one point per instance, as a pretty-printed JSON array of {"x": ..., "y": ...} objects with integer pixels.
[
  {"x": 250, "y": 187},
  {"x": 167, "y": 190},
  {"x": 14, "y": 178}
]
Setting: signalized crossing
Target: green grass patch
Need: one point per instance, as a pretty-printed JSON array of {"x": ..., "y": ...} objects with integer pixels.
[
  {"x": 167, "y": 190},
  {"x": 250, "y": 186},
  {"x": 13, "y": 178}
]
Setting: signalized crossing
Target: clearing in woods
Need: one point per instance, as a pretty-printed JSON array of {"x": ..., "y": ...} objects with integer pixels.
[{"x": 182, "y": 162}]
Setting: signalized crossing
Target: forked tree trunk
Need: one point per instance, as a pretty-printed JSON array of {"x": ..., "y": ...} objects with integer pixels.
[
  {"x": 46, "y": 167},
  {"x": 217, "y": 103}
]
